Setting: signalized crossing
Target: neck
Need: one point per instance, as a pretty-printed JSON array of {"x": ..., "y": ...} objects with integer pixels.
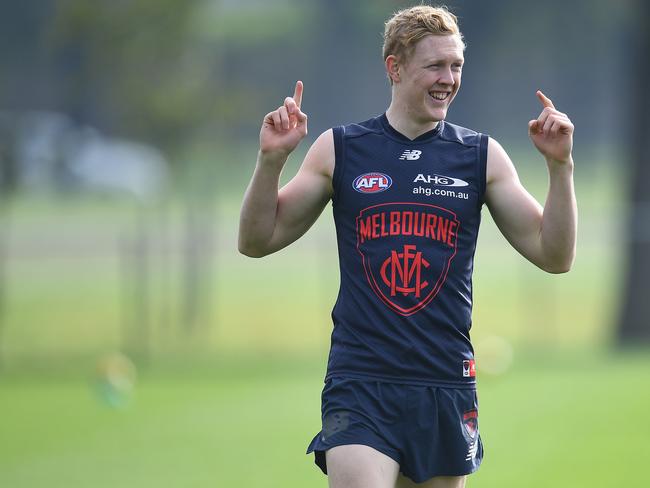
[{"x": 406, "y": 125}]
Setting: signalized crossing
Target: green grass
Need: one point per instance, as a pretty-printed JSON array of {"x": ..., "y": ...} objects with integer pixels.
[{"x": 552, "y": 420}]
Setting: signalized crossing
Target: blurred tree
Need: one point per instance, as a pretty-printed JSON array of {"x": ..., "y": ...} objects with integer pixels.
[
  {"x": 171, "y": 72},
  {"x": 165, "y": 71},
  {"x": 128, "y": 69},
  {"x": 634, "y": 324}
]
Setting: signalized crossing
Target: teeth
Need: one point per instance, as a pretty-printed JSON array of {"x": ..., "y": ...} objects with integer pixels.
[{"x": 439, "y": 95}]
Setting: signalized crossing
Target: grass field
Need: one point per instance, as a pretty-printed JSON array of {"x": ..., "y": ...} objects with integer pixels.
[{"x": 573, "y": 420}]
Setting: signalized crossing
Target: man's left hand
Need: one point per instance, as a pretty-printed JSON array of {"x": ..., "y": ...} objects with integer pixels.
[{"x": 551, "y": 132}]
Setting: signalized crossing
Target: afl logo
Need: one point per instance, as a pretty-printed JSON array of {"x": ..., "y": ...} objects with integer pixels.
[{"x": 372, "y": 183}]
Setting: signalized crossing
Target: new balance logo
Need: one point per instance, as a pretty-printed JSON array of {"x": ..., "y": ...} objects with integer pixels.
[
  {"x": 410, "y": 154},
  {"x": 472, "y": 451}
]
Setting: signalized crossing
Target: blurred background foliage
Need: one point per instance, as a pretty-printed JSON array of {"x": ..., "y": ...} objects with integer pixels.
[{"x": 128, "y": 132}]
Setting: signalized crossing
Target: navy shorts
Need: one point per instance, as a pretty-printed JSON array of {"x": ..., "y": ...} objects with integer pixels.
[{"x": 429, "y": 431}]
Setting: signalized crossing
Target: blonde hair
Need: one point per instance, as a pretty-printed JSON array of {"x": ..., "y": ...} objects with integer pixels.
[{"x": 406, "y": 27}]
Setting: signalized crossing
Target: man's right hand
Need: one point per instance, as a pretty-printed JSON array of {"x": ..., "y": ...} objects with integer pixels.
[{"x": 285, "y": 127}]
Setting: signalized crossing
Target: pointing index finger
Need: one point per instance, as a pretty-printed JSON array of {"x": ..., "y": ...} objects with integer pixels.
[
  {"x": 546, "y": 102},
  {"x": 297, "y": 94}
]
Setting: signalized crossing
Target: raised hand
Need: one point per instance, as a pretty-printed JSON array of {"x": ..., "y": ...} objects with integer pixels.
[
  {"x": 551, "y": 132},
  {"x": 285, "y": 127}
]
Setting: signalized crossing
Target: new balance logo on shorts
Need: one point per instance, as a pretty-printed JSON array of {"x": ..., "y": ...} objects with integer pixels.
[
  {"x": 471, "y": 452},
  {"x": 410, "y": 154}
]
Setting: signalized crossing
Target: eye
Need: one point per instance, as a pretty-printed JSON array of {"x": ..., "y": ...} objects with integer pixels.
[{"x": 457, "y": 66}]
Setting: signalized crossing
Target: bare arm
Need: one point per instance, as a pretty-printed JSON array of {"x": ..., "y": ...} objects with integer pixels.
[
  {"x": 271, "y": 219},
  {"x": 546, "y": 236}
]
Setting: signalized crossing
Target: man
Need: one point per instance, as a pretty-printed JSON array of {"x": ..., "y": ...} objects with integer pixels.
[{"x": 399, "y": 403}]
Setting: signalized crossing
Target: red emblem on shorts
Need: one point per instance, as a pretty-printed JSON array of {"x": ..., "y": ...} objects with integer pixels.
[
  {"x": 470, "y": 421},
  {"x": 406, "y": 249}
]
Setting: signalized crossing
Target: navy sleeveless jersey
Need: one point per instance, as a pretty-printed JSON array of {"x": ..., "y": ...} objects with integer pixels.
[{"x": 407, "y": 215}]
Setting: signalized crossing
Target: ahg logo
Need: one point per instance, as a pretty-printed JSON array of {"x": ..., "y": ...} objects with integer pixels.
[
  {"x": 410, "y": 154},
  {"x": 440, "y": 180},
  {"x": 372, "y": 183}
]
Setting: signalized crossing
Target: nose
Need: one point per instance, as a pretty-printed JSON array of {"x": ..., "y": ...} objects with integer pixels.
[{"x": 446, "y": 76}]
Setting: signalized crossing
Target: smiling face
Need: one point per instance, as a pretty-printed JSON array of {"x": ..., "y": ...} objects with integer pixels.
[{"x": 426, "y": 82}]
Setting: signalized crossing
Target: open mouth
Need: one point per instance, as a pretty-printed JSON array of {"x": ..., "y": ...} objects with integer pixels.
[{"x": 439, "y": 95}]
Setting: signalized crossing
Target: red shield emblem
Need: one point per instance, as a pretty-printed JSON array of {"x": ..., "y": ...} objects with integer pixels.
[
  {"x": 470, "y": 421},
  {"x": 407, "y": 249}
]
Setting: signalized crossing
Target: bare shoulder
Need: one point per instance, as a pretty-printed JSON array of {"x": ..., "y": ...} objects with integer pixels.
[
  {"x": 313, "y": 182},
  {"x": 499, "y": 164},
  {"x": 320, "y": 158}
]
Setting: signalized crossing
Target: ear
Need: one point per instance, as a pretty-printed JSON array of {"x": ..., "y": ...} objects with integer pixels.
[{"x": 393, "y": 68}]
